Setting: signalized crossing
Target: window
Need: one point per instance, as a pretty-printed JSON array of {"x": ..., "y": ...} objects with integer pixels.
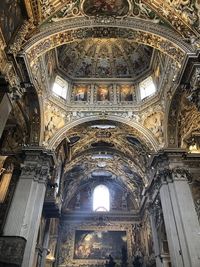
[
  {"x": 101, "y": 198},
  {"x": 60, "y": 87},
  {"x": 147, "y": 88}
]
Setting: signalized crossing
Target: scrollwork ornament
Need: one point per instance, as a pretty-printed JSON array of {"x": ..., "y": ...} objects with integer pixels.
[
  {"x": 164, "y": 175},
  {"x": 28, "y": 171},
  {"x": 21, "y": 37},
  {"x": 194, "y": 90},
  {"x": 179, "y": 174}
]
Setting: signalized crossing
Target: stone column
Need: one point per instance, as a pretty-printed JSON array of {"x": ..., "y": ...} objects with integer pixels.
[
  {"x": 181, "y": 222},
  {"x": 155, "y": 237},
  {"x": 185, "y": 216},
  {"x": 24, "y": 216},
  {"x": 5, "y": 109},
  {"x": 45, "y": 243}
]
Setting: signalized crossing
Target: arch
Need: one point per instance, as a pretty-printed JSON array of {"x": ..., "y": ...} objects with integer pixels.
[
  {"x": 165, "y": 40},
  {"x": 101, "y": 198},
  {"x": 146, "y": 135}
]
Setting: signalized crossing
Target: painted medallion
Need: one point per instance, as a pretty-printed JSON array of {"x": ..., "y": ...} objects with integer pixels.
[{"x": 105, "y": 7}]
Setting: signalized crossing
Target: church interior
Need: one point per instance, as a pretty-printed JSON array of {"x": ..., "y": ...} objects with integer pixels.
[{"x": 99, "y": 133}]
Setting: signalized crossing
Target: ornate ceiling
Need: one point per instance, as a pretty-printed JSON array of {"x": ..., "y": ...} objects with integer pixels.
[
  {"x": 92, "y": 39},
  {"x": 105, "y": 150},
  {"x": 104, "y": 58}
]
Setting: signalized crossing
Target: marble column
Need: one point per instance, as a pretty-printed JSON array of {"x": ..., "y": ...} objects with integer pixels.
[
  {"x": 24, "y": 216},
  {"x": 5, "y": 109},
  {"x": 45, "y": 242},
  {"x": 181, "y": 222},
  {"x": 155, "y": 239}
]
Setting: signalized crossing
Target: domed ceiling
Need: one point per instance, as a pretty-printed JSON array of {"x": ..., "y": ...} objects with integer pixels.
[{"x": 104, "y": 58}]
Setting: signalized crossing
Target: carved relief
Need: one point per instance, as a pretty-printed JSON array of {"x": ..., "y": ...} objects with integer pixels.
[
  {"x": 149, "y": 39},
  {"x": 154, "y": 123},
  {"x": 180, "y": 14},
  {"x": 54, "y": 119},
  {"x": 183, "y": 16},
  {"x": 188, "y": 122}
]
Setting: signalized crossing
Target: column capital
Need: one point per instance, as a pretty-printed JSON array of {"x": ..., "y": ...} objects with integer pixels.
[
  {"x": 165, "y": 176},
  {"x": 168, "y": 158},
  {"x": 38, "y": 164}
]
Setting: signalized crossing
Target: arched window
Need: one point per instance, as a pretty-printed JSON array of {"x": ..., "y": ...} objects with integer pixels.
[{"x": 101, "y": 198}]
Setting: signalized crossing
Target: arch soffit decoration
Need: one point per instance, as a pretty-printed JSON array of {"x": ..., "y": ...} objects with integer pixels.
[
  {"x": 134, "y": 30},
  {"x": 146, "y": 135},
  {"x": 118, "y": 161},
  {"x": 129, "y": 184}
]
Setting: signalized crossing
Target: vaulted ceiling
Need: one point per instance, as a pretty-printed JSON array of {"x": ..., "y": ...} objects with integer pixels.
[{"x": 103, "y": 41}]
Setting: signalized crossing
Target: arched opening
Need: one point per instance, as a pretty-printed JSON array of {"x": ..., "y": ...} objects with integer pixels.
[{"x": 101, "y": 198}]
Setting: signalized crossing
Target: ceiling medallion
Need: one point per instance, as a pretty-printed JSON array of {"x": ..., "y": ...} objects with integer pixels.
[{"x": 117, "y": 8}]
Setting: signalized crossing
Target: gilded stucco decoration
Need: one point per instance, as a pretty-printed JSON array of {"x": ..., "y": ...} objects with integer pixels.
[
  {"x": 54, "y": 119},
  {"x": 154, "y": 122},
  {"x": 39, "y": 76},
  {"x": 18, "y": 132},
  {"x": 188, "y": 124},
  {"x": 149, "y": 39},
  {"x": 180, "y": 15}
]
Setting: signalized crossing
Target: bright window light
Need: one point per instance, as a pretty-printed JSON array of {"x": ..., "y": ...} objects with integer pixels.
[
  {"x": 60, "y": 87},
  {"x": 101, "y": 198},
  {"x": 147, "y": 87}
]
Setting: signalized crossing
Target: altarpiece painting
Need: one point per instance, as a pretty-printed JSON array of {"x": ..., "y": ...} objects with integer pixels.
[{"x": 99, "y": 244}]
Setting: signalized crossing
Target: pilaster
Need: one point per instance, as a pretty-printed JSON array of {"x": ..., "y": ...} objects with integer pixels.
[
  {"x": 170, "y": 179},
  {"x": 25, "y": 212},
  {"x": 5, "y": 109},
  {"x": 155, "y": 242}
]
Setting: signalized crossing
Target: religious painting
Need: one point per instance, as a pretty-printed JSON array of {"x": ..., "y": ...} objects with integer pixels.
[
  {"x": 85, "y": 69},
  {"x": 12, "y": 15},
  {"x": 91, "y": 244},
  {"x": 80, "y": 93},
  {"x": 126, "y": 93},
  {"x": 106, "y": 7},
  {"x": 103, "y": 94}
]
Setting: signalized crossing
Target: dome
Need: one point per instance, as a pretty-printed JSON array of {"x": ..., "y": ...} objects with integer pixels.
[{"x": 104, "y": 58}]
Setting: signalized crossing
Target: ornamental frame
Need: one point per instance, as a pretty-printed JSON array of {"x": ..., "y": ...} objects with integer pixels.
[{"x": 68, "y": 245}]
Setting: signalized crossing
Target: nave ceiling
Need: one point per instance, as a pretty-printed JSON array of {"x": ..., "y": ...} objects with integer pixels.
[{"x": 108, "y": 152}]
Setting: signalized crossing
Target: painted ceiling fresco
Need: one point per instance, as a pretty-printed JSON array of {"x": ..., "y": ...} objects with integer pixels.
[
  {"x": 104, "y": 58},
  {"x": 105, "y": 7}
]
